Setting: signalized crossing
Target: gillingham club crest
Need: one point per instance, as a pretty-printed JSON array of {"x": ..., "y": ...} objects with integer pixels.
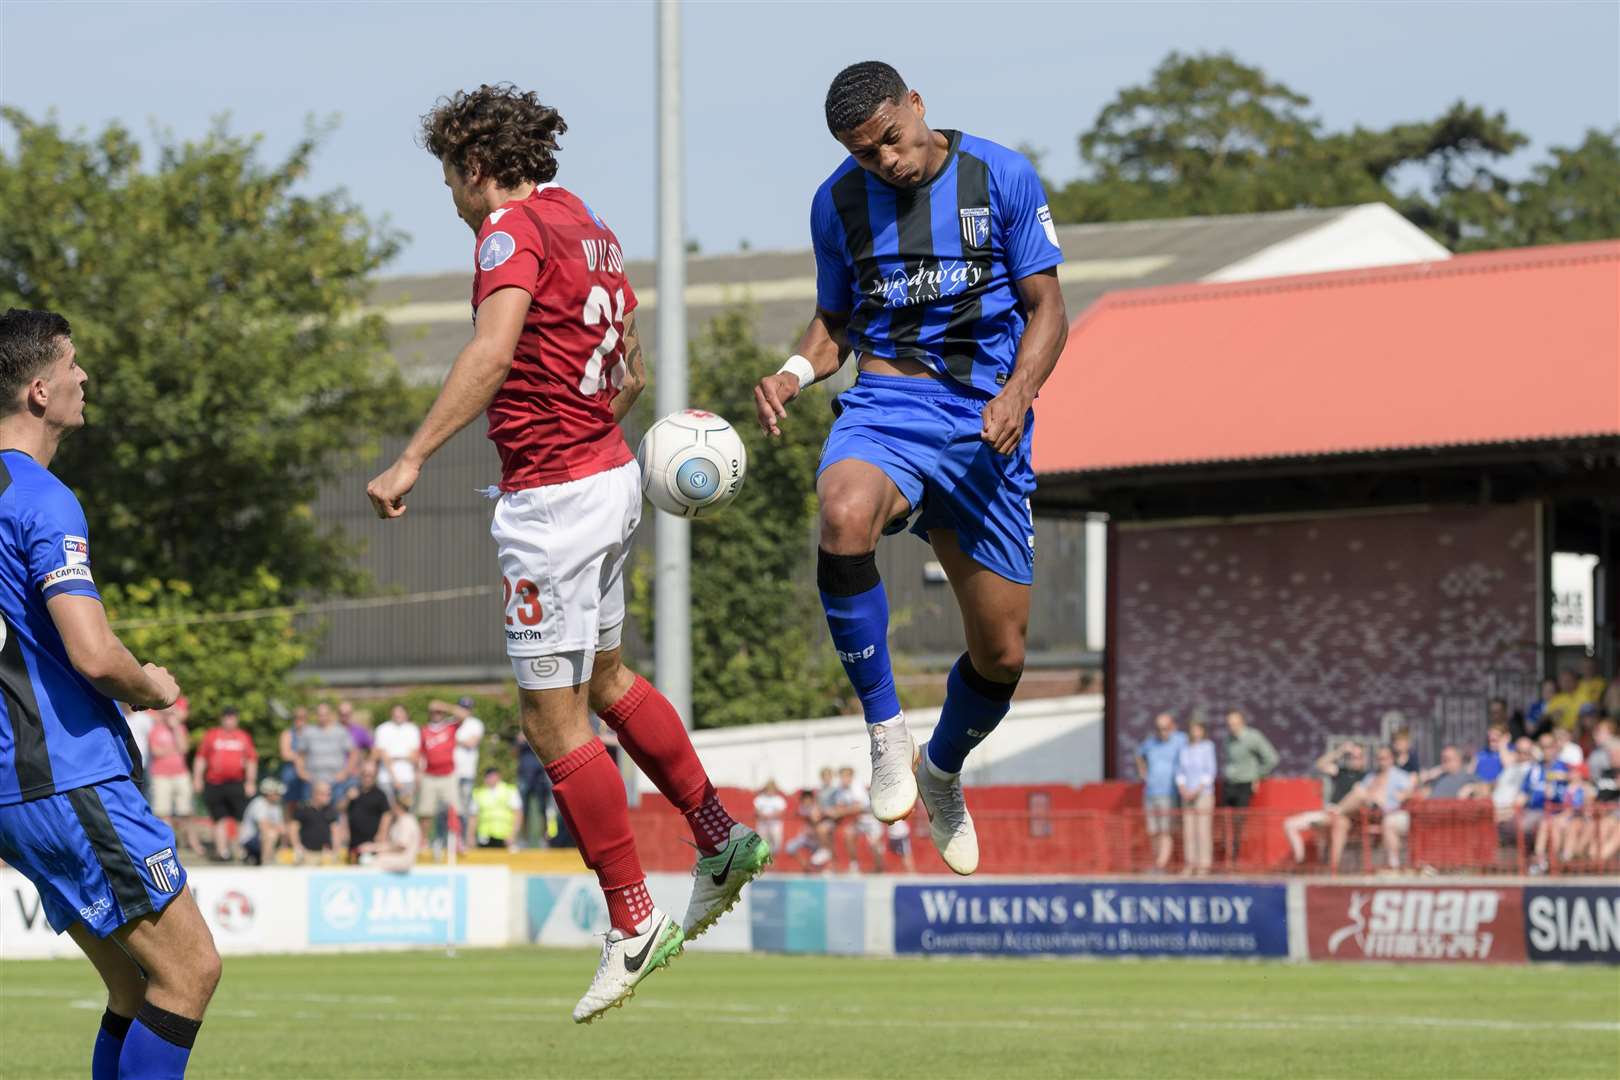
[{"x": 976, "y": 226}]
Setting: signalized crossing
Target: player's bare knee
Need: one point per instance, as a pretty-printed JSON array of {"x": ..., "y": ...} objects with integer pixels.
[
  {"x": 848, "y": 526},
  {"x": 610, "y": 681},
  {"x": 1002, "y": 662}
]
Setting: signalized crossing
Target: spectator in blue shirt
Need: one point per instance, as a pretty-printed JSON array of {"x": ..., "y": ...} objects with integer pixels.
[
  {"x": 1156, "y": 761},
  {"x": 1488, "y": 762}
]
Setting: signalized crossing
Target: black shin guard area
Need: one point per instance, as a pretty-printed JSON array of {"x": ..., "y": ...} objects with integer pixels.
[
  {"x": 115, "y": 1025},
  {"x": 995, "y": 691},
  {"x": 846, "y": 575},
  {"x": 168, "y": 1026}
]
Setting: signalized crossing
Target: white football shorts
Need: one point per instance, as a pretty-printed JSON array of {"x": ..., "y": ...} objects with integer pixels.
[{"x": 563, "y": 549}]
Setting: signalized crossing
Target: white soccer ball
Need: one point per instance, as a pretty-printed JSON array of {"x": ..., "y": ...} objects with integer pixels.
[{"x": 692, "y": 463}]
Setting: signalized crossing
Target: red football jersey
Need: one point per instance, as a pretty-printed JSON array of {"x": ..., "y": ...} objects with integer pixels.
[
  {"x": 439, "y": 748},
  {"x": 552, "y": 420}
]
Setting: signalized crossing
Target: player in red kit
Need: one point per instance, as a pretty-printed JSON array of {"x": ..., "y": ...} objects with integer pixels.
[{"x": 555, "y": 363}]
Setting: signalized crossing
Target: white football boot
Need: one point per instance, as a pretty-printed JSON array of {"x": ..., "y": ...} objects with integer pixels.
[
  {"x": 894, "y": 756},
  {"x": 718, "y": 879},
  {"x": 626, "y": 960},
  {"x": 948, "y": 818}
]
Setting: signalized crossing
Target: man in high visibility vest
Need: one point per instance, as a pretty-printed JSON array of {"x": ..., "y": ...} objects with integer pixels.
[{"x": 497, "y": 811}]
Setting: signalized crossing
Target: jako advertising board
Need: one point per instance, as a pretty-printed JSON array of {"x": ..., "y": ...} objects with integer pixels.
[
  {"x": 1578, "y": 923},
  {"x": 387, "y": 909},
  {"x": 1102, "y": 919},
  {"x": 1414, "y": 923}
]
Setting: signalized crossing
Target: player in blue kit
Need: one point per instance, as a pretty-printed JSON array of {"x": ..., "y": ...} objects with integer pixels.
[
  {"x": 936, "y": 266},
  {"x": 72, "y": 819}
]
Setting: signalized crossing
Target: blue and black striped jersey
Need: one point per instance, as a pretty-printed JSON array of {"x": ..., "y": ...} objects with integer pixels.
[
  {"x": 930, "y": 273},
  {"x": 57, "y": 732}
]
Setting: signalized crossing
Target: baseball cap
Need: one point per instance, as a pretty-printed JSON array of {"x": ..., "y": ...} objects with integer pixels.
[{"x": 466, "y": 702}]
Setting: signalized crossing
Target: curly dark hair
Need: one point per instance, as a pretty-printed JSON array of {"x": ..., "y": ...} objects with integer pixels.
[
  {"x": 858, "y": 90},
  {"x": 29, "y": 341},
  {"x": 500, "y": 132}
]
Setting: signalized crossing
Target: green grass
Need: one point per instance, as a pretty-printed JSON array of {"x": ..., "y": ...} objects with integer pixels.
[{"x": 504, "y": 1013}]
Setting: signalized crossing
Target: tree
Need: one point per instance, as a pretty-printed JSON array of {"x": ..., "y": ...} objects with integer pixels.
[
  {"x": 757, "y": 637},
  {"x": 1573, "y": 197},
  {"x": 1211, "y": 135},
  {"x": 219, "y": 315}
]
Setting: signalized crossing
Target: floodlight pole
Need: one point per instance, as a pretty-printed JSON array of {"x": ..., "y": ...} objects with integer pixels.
[{"x": 672, "y": 637}]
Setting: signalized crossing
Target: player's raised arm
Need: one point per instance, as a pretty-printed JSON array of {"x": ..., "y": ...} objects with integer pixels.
[
  {"x": 477, "y": 374},
  {"x": 1045, "y": 334},
  {"x": 97, "y": 654},
  {"x": 822, "y": 351}
]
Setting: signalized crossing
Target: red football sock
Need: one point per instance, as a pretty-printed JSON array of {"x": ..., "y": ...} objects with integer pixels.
[
  {"x": 651, "y": 732},
  {"x": 590, "y": 796}
]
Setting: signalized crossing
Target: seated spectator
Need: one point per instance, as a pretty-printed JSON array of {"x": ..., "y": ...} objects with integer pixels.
[
  {"x": 401, "y": 841},
  {"x": 1344, "y": 767},
  {"x": 1563, "y": 820},
  {"x": 1565, "y": 748},
  {"x": 1449, "y": 780},
  {"x": 899, "y": 840},
  {"x": 1537, "y": 721},
  {"x": 497, "y": 812},
  {"x": 1516, "y": 761},
  {"x": 1565, "y": 705},
  {"x": 1488, "y": 762},
  {"x": 770, "y": 806},
  {"x": 1387, "y": 791},
  {"x": 318, "y": 829},
  {"x": 367, "y": 810},
  {"x": 1604, "y": 760},
  {"x": 264, "y": 825},
  {"x": 1590, "y": 687},
  {"x": 807, "y": 846},
  {"x": 1406, "y": 758},
  {"x": 1611, "y": 700},
  {"x": 852, "y": 807},
  {"x": 1586, "y": 728},
  {"x": 1531, "y": 803}
]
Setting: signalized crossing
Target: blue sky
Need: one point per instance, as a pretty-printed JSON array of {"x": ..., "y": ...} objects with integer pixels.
[{"x": 755, "y": 77}]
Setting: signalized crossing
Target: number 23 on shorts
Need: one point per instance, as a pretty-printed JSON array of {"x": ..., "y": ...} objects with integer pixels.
[{"x": 526, "y": 594}]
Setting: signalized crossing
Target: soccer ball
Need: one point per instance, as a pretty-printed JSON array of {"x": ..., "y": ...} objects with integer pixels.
[{"x": 692, "y": 463}]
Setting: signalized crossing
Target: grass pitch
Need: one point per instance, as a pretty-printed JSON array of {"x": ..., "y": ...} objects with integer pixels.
[{"x": 504, "y": 1013}]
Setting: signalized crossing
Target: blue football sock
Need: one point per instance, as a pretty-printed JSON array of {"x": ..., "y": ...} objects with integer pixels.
[
  {"x": 858, "y": 616},
  {"x": 158, "y": 1045},
  {"x": 109, "y": 1043},
  {"x": 974, "y": 705}
]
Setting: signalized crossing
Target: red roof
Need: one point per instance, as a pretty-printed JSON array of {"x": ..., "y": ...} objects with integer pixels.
[{"x": 1499, "y": 347}]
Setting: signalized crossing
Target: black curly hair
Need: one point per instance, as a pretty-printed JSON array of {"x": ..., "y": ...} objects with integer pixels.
[
  {"x": 858, "y": 90},
  {"x": 500, "y": 132},
  {"x": 29, "y": 342}
]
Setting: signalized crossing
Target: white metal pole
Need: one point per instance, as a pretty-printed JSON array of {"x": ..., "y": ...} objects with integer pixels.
[{"x": 672, "y": 641}]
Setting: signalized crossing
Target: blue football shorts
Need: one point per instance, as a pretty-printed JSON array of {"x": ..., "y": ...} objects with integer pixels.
[
  {"x": 97, "y": 854},
  {"x": 924, "y": 434}
]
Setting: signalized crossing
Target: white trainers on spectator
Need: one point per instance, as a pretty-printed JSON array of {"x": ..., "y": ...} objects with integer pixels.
[
  {"x": 626, "y": 960},
  {"x": 894, "y": 787},
  {"x": 948, "y": 818}
]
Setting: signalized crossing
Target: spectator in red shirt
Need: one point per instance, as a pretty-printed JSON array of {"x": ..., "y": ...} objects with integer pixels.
[
  {"x": 168, "y": 781},
  {"x": 227, "y": 770},
  {"x": 436, "y": 789}
]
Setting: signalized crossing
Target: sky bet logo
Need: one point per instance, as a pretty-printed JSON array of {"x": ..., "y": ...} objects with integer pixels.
[{"x": 853, "y": 657}]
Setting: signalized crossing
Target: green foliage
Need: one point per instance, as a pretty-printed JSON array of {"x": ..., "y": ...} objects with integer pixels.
[
  {"x": 758, "y": 648},
  {"x": 218, "y": 313},
  {"x": 1210, "y": 135},
  {"x": 218, "y": 662}
]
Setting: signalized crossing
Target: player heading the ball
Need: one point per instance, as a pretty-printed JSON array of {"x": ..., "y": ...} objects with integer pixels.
[
  {"x": 936, "y": 267},
  {"x": 555, "y": 363}
]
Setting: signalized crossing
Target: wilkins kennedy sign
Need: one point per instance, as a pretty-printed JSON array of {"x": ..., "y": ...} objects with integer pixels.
[{"x": 1112, "y": 919}]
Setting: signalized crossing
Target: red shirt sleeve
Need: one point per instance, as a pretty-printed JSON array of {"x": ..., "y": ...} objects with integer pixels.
[
  {"x": 509, "y": 254},
  {"x": 206, "y": 750}
]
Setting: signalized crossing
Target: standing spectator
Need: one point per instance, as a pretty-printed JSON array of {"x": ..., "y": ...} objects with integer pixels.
[
  {"x": 367, "y": 810},
  {"x": 770, "y": 807},
  {"x": 469, "y": 736},
  {"x": 168, "y": 779},
  {"x": 359, "y": 724},
  {"x": 318, "y": 830},
  {"x": 497, "y": 812},
  {"x": 1591, "y": 685},
  {"x": 1387, "y": 790},
  {"x": 534, "y": 788},
  {"x": 290, "y": 748},
  {"x": 1488, "y": 762},
  {"x": 900, "y": 844},
  {"x": 1497, "y": 713},
  {"x": 398, "y": 742},
  {"x": 396, "y": 850},
  {"x": 1195, "y": 781},
  {"x": 226, "y": 768},
  {"x": 1157, "y": 759},
  {"x": 1451, "y": 781},
  {"x": 329, "y": 754},
  {"x": 1604, "y": 758},
  {"x": 1536, "y": 718},
  {"x": 1344, "y": 769},
  {"x": 264, "y": 824},
  {"x": 1406, "y": 758},
  {"x": 1249, "y": 758},
  {"x": 436, "y": 787}
]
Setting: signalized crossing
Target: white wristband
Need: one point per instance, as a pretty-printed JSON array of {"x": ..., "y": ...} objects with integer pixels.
[{"x": 801, "y": 368}]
